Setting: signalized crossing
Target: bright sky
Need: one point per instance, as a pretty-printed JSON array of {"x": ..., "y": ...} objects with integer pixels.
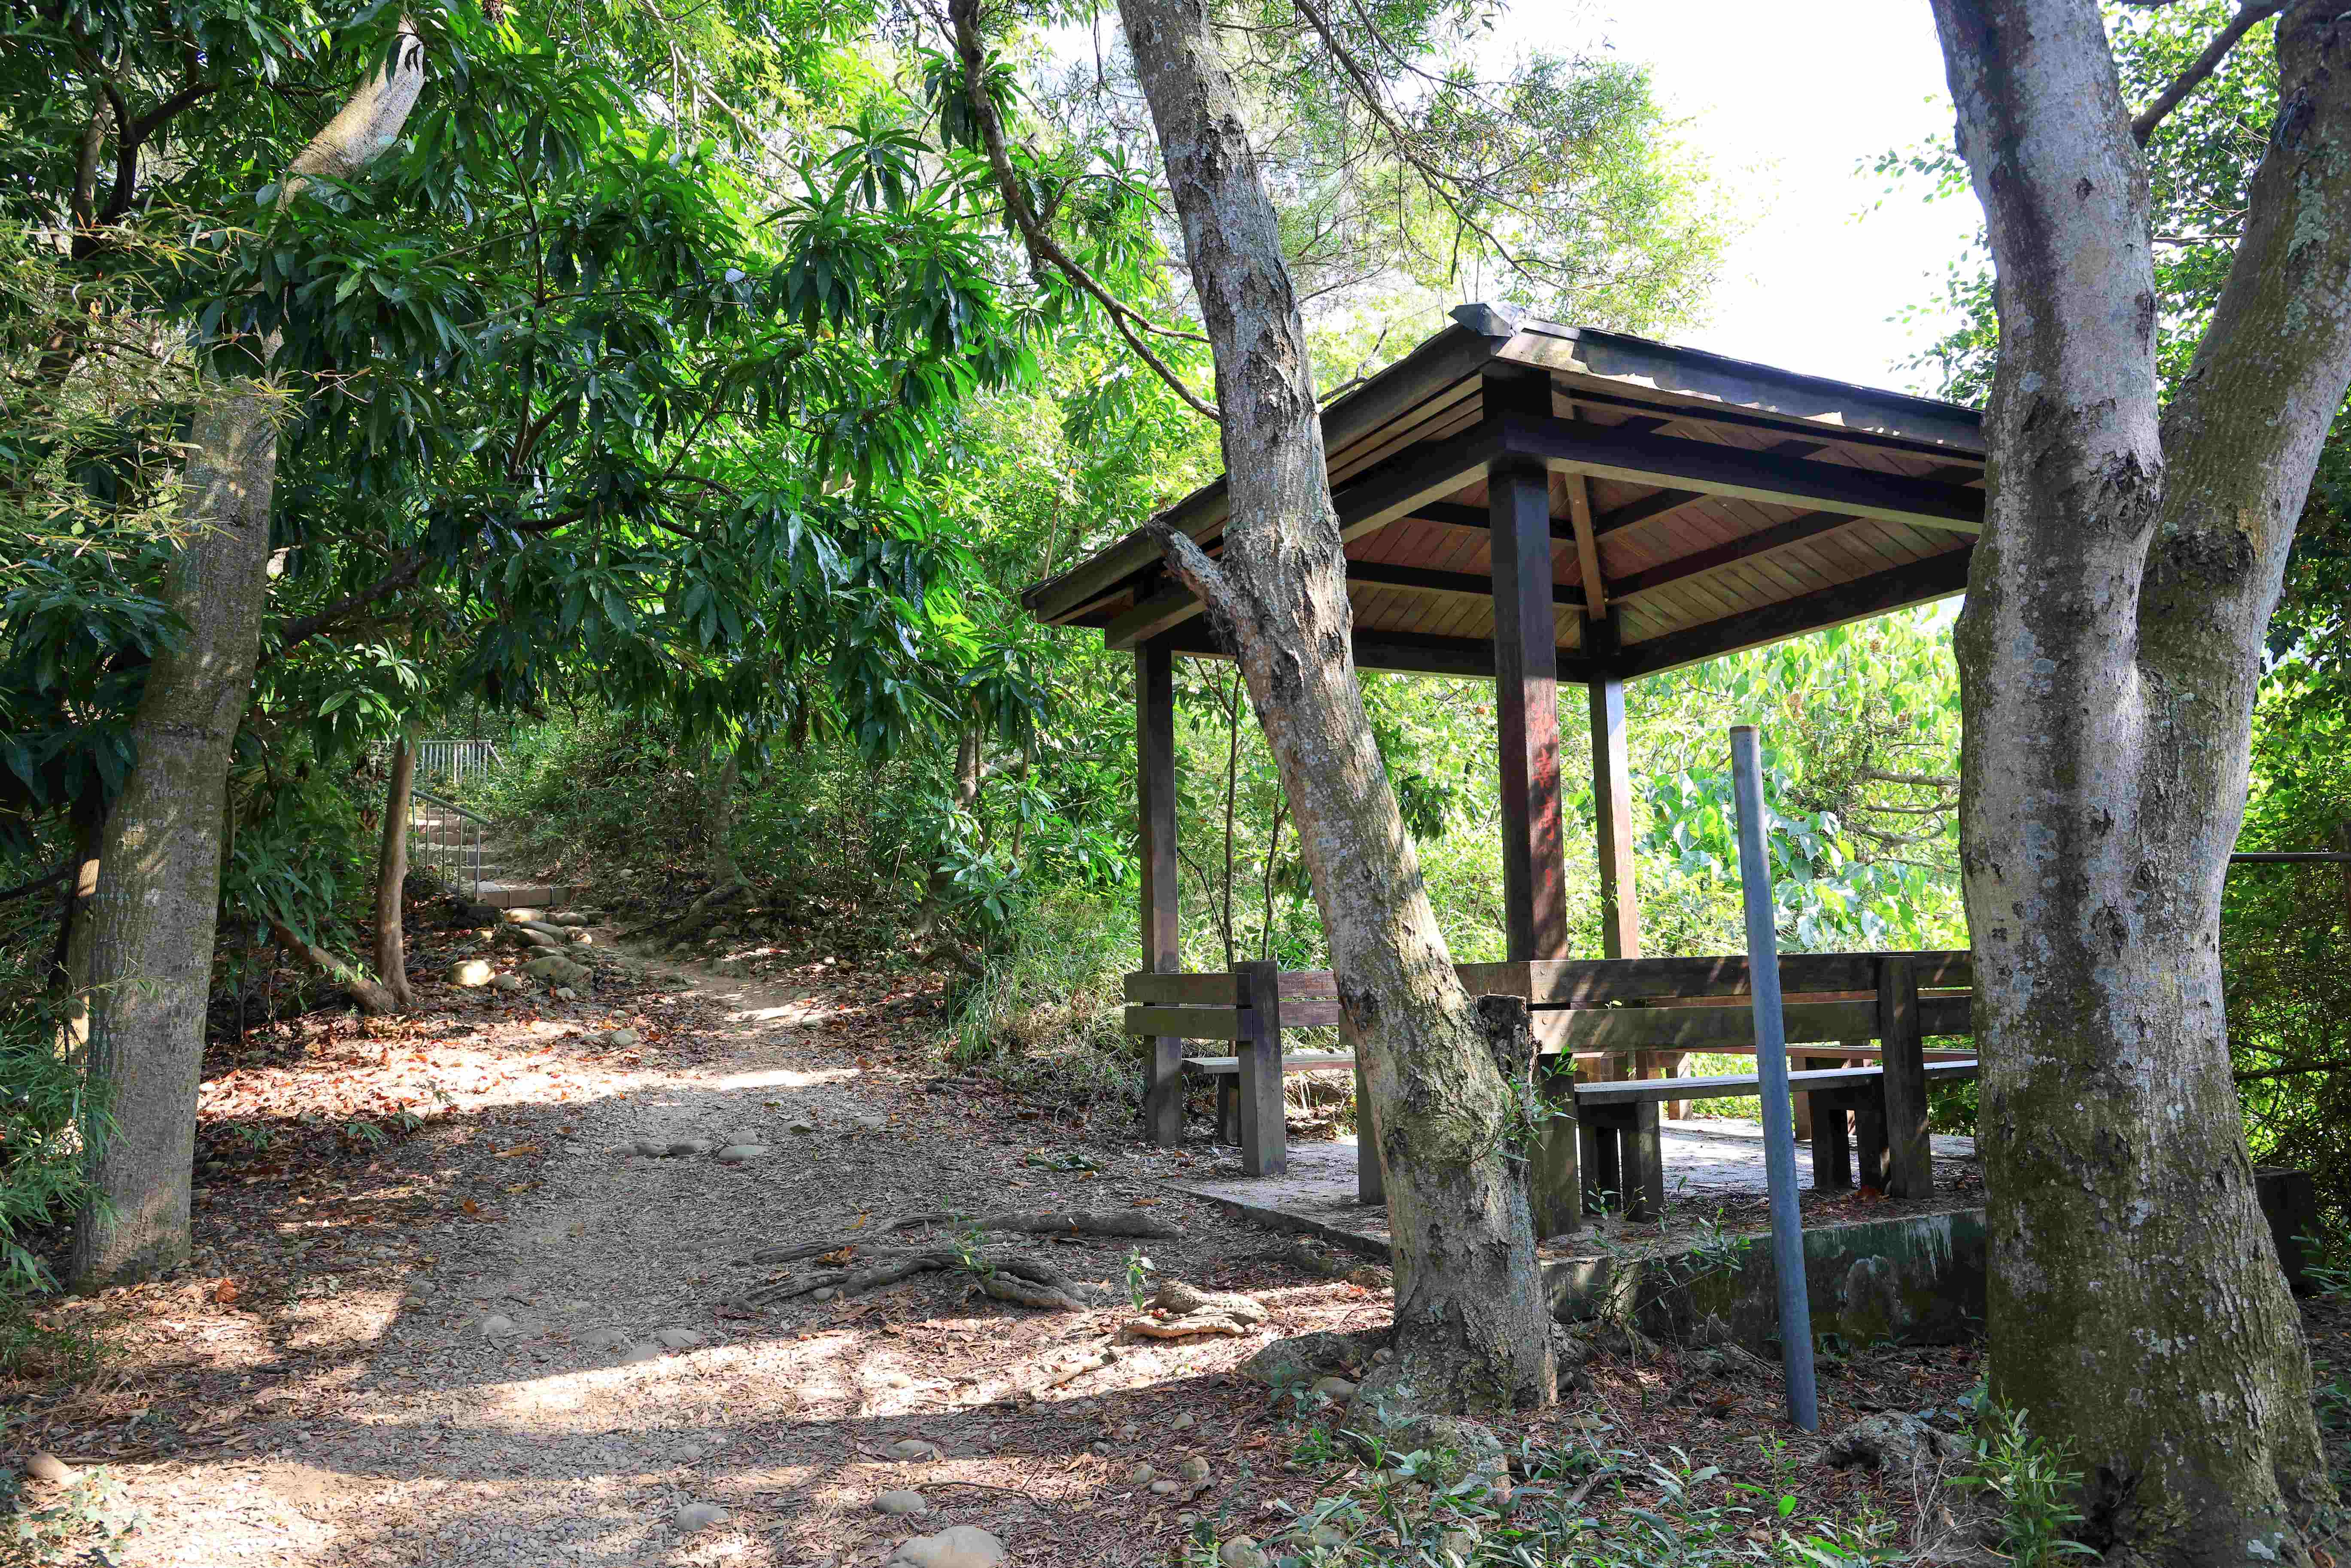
[{"x": 1796, "y": 100}]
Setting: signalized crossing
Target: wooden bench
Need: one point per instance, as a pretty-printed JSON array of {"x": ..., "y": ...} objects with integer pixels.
[
  {"x": 1622, "y": 1147},
  {"x": 1226, "y": 1071},
  {"x": 1592, "y": 1018}
]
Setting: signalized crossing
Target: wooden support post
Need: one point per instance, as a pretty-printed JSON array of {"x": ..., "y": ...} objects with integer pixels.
[
  {"x": 1612, "y": 801},
  {"x": 1265, "y": 1135},
  {"x": 1155, "y": 773},
  {"x": 1910, "y": 1158},
  {"x": 1228, "y": 1109},
  {"x": 1526, "y": 700}
]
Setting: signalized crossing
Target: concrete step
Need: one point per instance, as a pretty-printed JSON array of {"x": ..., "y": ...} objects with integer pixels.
[{"x": 526, "y": 894}]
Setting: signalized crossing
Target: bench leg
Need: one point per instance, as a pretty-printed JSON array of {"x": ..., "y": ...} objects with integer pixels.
[
  {"x": 1869, "y": 1137},
  {"x": 1599, "y": 1133},
  {"x": 1555, "y": 1167},
  {"x": 1371, "y": 1178},
  {"x": 1228, "y": 1108},
  {"x": 1645, "y": 1163},
  {"x": 1832, "y": 1145},
  {"x": 1163, "y": 1094}
]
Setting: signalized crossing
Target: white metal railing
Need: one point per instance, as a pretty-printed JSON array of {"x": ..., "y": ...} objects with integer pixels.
[{"x": 449, "y": 763}]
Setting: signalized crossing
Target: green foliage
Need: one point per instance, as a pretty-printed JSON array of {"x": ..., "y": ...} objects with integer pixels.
[
  {"x": 49, "y": 1119},
  {"x": 2038, "y": 1492},
  {"x": 77, "y": 1523},
  {"x": 1572, "y": 1504}
]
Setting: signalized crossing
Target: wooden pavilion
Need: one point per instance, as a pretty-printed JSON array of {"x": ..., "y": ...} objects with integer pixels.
[{"x": 1531, "y": 503}]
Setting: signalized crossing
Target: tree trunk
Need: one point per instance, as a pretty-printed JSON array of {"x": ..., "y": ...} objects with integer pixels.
[
  {"x": 151, "y": 918},
  {"x": 392, "y": 877},
  {"x": 718, "y": 822},
  {"x": 1472, "y": 1330},
  {"x": 2108, "y": 655}
]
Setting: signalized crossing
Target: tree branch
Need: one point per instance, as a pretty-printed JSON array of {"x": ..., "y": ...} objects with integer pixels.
[
  {"x": 2189, "y": 81},
  {"x": 411, "y": 568},
  {"x": 1043, "y": 249}
]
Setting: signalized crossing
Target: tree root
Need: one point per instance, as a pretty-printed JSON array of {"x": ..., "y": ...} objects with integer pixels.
[
  {"x": 1180, "y": 1311},
  {"x": 1115, "y": 1222},
  {"x": 1006, "y": 1276}
]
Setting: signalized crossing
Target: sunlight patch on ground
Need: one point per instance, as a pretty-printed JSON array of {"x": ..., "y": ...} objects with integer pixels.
[{"x": 781, "y": 1078}]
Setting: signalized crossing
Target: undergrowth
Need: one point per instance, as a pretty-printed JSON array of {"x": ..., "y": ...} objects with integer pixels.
[
  {"x": 48, "y": 1119},
  {"x": 1572, "y": 1504}
]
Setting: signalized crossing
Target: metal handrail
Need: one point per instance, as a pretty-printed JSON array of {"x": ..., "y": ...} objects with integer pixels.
[{"x": 422, "y": 848}]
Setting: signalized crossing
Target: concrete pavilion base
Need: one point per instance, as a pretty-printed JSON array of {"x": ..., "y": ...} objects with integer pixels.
[{"x": 1911, "y": 1272}]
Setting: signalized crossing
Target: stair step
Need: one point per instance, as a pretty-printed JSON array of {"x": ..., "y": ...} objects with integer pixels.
[{"x": 525, "y": 894}]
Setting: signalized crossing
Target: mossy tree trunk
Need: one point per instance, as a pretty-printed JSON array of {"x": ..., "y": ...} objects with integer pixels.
[{"x": 2109, "y": 653}]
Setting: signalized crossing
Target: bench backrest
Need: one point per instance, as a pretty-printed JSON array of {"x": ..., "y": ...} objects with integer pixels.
[{"x": 1603, "y": 1004}]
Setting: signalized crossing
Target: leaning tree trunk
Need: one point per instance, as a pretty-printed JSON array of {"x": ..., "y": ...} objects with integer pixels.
[
  {"x": 1471, "y": 1330},
  {"x": 159, "y": 890},
  {"x": 391, "y": 876},
  {"x": 2109, "y": 656}
]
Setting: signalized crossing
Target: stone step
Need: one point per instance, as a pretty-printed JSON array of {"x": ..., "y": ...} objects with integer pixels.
[{"x": 525, "y": 894}]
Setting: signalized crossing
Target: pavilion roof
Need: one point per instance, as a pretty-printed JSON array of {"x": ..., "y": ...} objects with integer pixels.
[{"x": 1720, "y": 505}]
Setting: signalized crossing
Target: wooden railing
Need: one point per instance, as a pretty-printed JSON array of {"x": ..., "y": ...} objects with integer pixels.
[
  {"x": 1593, "y": 1011},
  {"x": 1595, "y": 1006}
]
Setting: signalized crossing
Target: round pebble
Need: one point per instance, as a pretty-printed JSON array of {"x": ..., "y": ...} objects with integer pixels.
[
  {"x": 653, "y": 1146},
  {"x": 1194, "y": 1470},
  {"x": 1336, "y": 1389},
  {"x": 682, "y": 1339},
  {"x": 499, "y": 1325},
  {"x": 622, "y": 1037},
  {"x": 1183, "y": 1423},
  {"x": 736, "y": 1154},
  {"x": 910, "y": 1503},
  {"x": 1240, "y": 1552},
  {"x": 1141, "y": 1476},
  {"x": 913, "y": 1448},
  {"x": 1166, "y": 1488},
  {"x": 822, "y": 1293},
  {"x": 700, "y": 1516}
]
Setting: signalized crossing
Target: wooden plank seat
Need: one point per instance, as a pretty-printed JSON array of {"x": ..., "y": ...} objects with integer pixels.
[
  {"x": 1623, "y": 1154},
  {"x": 1226, "y": 1071}
]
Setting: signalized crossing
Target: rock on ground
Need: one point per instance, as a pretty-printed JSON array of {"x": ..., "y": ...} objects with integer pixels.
[{"x": 957, "y": 1546}]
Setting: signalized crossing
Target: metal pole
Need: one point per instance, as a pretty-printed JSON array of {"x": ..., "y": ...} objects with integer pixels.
[{"x": 1771, "y": 1067}]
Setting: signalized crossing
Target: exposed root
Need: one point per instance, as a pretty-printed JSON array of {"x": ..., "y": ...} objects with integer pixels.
[
  {"x": 1180, "y": 1311},
  {"x": 1115, "y": 1222},
  {"x": 1005, "y": 1276}
]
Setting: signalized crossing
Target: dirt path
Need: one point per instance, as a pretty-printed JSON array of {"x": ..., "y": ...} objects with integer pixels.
[{"x": 505, "y": 1338}]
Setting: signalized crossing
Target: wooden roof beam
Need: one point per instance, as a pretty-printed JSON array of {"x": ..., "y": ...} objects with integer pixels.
[
  {"x": 1370, "y": 501},
  {"x": 1408, "y": 652},
  {"x": 1616, "y": 519},
  {"x": 1935, "y": 577},
  {"x": 1609, "y": 453},
  {"x": 1763, "y": 541}
]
